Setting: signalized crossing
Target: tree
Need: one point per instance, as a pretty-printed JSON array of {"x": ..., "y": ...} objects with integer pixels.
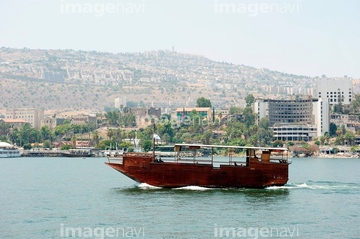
[
  {"x": 131, "y": 135},
  {"x": 355, "y": 104},
  {"x": 166, "y": 138},
  {"x": 278, "y": 143},
  {"x": 203, "y": 102},
  {"x": 234, "y": 110},
  {"x": 327, "y": 137},
  {"x": 249, "y": 117},
  {"x": 112, "y": 117},
  {"x": 207, "y": 136},
  {"x": 249, "y": 99},
  {"x": 264, "y": 123},
  {"x": 322, "y": 140},
  {"x": 332, "y": 130},
  {"x": 338, "y": 108},
  {"x": 95, "y": 138},
  {"x": 110, "y": 133},
  {"x": 4, "y": 129},
  {"x": 146, "y": 145},
  {"x": 265, "y": 136},
  {"x": 46, "y": 133},
  {"x": 118, "y": 135},
  {"x": 73, "y": 140},
  {"x": 47, "y": 144},
  {"x": 234, "y": 129},
  {"x": 349, "y": 137},
  {"x": 343, "y": 129}
]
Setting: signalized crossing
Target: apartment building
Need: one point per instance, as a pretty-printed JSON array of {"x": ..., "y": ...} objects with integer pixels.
[
  {"x": 335, "y": 89},
  {"x": 31, "y": 115}
]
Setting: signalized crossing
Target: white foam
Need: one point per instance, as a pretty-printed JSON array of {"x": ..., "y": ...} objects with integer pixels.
[
  {"x": 194, "y": 188},
  {"x": 147, "y": 186},
  {"x": 304, "y": 185},
  {"x": 291, "y": 186}
]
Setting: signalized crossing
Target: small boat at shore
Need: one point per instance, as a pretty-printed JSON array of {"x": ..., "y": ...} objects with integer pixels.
[
  {"x": 77, "y": 153},
  {"x": 9, "y": 151},
  {"x": 262, "y": 167}
]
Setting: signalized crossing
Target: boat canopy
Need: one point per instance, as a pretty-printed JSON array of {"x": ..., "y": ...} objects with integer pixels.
[{"x": 198, "y": 146}]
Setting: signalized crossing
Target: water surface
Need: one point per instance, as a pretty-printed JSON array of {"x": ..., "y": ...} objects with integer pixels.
[{"x": 41, "y": 197}]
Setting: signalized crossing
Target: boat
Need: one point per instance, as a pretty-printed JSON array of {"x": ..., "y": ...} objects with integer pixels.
[
  {"x": 9, "y": 151},
  {"x": 261, "y": 167},
  {"x": 77, "y": 153}
]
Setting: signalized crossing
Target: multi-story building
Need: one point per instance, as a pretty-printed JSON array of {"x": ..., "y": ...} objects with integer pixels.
[
  {"x": 120, "y": 102},
  {"x": 297, "y": 109},
  {"x": 143, "y": 112},
  {"x": 295, "y": 118},
  {"x": 205, "y": 112},
  {"x": 51, "y": 123},
  {"x": 83, "y": 119},
  {"x": 321, "y": 112},
  {"x": 31, "y": 115},
  {"x": 335, "y": 90},
  {"x": 154, "y": 112},
  {"x": 294, "y": 132}
]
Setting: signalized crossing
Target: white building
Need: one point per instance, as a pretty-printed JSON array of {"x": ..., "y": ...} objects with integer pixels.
[
  {"x": 120, "y": 102},
  {"x": 295, "y": 118},
  {"x": 335, "y": 89},
  {"x": 321, "y": 112},
  {"x": 32, "y": 116}
]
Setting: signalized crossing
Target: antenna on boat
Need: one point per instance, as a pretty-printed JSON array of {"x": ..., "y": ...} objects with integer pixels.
[{"x": 153, "y": 139}]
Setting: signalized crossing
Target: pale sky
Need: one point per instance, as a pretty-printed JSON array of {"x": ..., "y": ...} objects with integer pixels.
[{"x": 304, "y": 37}]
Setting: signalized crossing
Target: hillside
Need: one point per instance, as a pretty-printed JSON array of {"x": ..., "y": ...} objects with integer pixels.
[{"x": 74, "y": 80}]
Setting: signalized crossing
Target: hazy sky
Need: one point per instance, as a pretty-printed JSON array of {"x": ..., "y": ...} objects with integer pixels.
[{"x": 307, "y": 37}]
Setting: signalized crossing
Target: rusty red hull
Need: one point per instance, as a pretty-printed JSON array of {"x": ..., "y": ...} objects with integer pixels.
[{"x": 172, "y": 174}]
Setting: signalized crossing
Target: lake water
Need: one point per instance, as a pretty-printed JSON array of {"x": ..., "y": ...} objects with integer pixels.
[{"x": 84, "y": 198}]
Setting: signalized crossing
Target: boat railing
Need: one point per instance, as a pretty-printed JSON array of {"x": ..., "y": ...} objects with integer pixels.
[
  {"x": 134, "y": 154},
  {"x": 229, "y": 160},
  {"x": 118, "y": 160}
]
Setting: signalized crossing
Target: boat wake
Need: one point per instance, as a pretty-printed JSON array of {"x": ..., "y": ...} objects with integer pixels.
[
  {"x": 147, "y": 186},
  {"x": 193, "y": 188},
  {"x": 289, "y": 186},
  {"x": 321, "y": 185}
]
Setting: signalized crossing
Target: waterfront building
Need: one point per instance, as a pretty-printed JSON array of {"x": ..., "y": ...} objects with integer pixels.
[
  {"x": 30, "y": 115},
  {"x": 298, "y": 117},
  {"x": 294, "y": 132}
]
